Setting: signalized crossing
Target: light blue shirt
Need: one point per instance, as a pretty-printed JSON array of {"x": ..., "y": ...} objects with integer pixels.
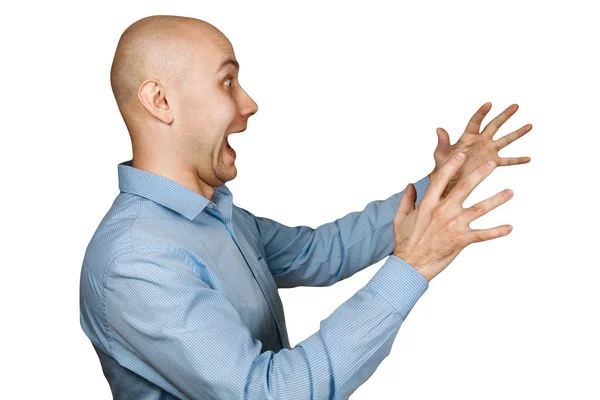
[{"x": 178, "y": 295}]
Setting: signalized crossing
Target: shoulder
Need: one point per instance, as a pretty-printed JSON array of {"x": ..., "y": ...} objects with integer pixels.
[{"x": 133, "y": 226}]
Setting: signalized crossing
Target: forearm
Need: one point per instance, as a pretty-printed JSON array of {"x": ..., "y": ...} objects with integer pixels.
[
  {"x": 352, "y": 342},
  {"x": 336, "y": 250}
]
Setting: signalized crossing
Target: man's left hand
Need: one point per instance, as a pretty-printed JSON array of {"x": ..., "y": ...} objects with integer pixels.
[{"x": 478, "y": 147}]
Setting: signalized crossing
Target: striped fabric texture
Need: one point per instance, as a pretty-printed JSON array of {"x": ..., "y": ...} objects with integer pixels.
[{"x": 179, "y": 296}]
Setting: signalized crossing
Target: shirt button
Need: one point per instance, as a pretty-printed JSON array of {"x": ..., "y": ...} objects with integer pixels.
[{"x": 210, "y": 205}]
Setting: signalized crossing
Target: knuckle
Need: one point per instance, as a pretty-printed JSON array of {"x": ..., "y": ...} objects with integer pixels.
[
  {"x": 467, "y": 238},
  {"x": 452, "y": 227},
  {"x": 480, "y": 236},
  {"x": 463, "y": 185},
  {"x": 463, "y": 241},
  {"x": 438, "y": 213},
  {"x": 477, "y": 237},
  {"x": 438, "y": 176},
  {"x": 478, "y": 209},
  {"x": 454, "y": 235}
]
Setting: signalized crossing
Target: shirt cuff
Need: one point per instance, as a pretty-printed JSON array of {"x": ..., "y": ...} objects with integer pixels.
[{"x": 399, "y": 283}]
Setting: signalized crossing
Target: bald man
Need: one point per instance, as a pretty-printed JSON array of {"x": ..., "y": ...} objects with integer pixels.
[{"x": 179, "y": 286}]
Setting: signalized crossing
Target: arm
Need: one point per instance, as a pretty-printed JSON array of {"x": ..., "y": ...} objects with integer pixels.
[
  {"x": 303, "y": 256},
  {"x": 170, "y": 327}
]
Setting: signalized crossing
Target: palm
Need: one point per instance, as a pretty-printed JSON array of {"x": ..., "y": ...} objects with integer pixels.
[{"x": 479, "y": 147}]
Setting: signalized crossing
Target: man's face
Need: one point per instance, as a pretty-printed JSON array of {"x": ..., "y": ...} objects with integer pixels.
[{"x": 210, "y": 105}]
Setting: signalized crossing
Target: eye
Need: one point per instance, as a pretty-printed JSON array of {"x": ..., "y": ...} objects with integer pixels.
[{"x": 230, "y": 79}]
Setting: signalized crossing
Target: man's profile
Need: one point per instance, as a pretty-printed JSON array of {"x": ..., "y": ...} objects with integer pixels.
[{"x": 179, "y": 286}]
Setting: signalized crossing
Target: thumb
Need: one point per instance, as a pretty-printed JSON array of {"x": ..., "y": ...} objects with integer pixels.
[
  {"x": 407, "y": 201},
  {"x": 443, "y": 142}
]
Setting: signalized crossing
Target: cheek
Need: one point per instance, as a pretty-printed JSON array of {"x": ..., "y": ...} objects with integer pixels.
[
  {"x": 224, "y": 109},
  {"x": 192, "y": 102},
  {"x": 208, "y": 113}
]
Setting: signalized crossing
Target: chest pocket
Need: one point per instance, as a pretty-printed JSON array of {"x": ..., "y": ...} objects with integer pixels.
[{"x": 262, "y": 262}]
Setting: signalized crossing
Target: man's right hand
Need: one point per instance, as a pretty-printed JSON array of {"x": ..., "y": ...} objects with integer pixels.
[{"x": 431, "y": 235}]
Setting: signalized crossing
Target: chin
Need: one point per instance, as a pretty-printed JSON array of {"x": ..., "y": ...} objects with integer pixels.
[{"x": 228, "y": 174}]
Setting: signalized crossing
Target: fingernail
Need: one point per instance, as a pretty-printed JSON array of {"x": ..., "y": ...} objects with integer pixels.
[
  {"x": 460, "y": 156},
  {"x": 490, "y": 164},
  {"x": 508, "y": 192}
]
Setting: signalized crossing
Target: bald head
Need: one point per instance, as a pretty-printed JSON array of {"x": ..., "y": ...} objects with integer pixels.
[
  {"x": 176, "y": 82},
  {"x": 160, "y": 47}
]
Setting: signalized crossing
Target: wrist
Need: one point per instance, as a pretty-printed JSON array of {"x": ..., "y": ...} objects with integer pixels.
[
  {"x": 425, "y": 275},
  {"x": 415, "y": 265}
]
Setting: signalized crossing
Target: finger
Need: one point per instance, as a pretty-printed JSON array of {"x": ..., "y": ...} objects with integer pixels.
[
  {"x": 513, "y": 161},
  {"x": 475, "y": 122},
  {"x": 443, "y": 145},
  {"x": 465, "y": 186},
  {"x": 407, "y": 201},
  {"x": 485, "y": 206},
  {"x": 439, "y": 180},
  {"x": 511, "y": 137},
  {"x": 490, "y": 129},
  {"x": 481, "y": 235}
]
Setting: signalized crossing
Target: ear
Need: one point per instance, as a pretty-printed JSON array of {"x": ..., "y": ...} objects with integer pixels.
[{"x": 152, "y": 95}]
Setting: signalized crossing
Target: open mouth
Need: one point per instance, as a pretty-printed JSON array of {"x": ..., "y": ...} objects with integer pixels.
[{"x": 229, "y": 148}]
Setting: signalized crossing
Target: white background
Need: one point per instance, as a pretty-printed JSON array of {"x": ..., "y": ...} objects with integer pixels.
[{"x": 349, "y": 96}]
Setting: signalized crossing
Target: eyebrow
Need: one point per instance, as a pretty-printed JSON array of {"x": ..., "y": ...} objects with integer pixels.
[{"x": 229, "y": 61}]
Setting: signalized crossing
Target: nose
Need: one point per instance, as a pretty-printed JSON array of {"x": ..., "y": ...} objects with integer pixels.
[{"x": 249, "y": 107}]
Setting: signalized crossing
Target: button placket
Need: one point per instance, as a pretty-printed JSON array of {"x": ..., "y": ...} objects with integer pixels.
[{"x": 266, "y": 278}]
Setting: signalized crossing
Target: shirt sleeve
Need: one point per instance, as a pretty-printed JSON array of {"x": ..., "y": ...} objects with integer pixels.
[
  {"x": 167, "y": 325},
  {"x": 303, "y": 256}
]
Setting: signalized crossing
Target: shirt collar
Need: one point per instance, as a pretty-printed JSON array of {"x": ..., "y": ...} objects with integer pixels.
[{"x": 166, "y": 192}]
